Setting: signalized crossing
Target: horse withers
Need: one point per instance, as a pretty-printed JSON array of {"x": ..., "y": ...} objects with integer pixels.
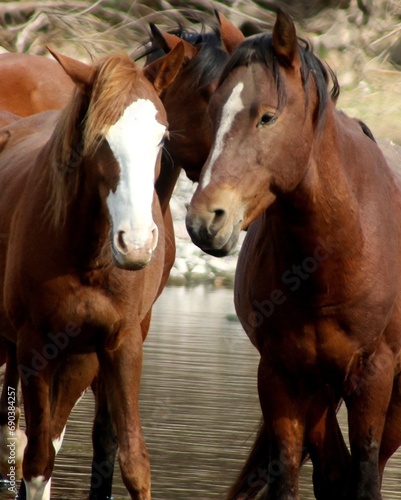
[{"x": 317, "y": 285}]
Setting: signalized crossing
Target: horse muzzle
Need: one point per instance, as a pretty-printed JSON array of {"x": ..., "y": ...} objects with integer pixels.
[
  {"x": 212, "y": 231},
  {"x": 132, "y": 252}
]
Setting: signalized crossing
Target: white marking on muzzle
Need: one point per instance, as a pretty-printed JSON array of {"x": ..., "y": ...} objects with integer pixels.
[
  {"x": 135, "y": 142},
  {"x": 231, "y": 108}
]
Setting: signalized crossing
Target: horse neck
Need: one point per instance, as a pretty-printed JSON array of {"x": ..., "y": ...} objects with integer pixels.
[
  {"x": 87, "y": 223},
  {"x": 84, "y": 228},
  {"x": 338, "y": 214},
  {"x": 324, "y": 210}
]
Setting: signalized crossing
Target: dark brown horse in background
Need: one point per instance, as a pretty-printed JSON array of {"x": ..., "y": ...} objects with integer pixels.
[
  {"x": 318, "y": 279},
  {"x": 186, "y": 103}
]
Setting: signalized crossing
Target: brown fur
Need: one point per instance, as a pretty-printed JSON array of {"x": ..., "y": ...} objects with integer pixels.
[{"x": 31, "y": 84}]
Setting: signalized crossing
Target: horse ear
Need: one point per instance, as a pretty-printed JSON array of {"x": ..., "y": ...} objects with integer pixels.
[
  {"x": 285, "y": 42},
  {"x": 163, "y": 71},
  {"x": 168, "y": 42},
  {"x": 231, "y": 36},
  {"x": 80, "y": 73}
]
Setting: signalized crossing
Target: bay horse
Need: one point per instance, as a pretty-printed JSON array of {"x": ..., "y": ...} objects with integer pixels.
[
  {"x": 186, "y": 102},
  {"x": 82, "y": 255},
  {"x": 317, "y": 285}
]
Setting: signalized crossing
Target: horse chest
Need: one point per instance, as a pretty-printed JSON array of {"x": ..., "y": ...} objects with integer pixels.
[
  {"x": 321, "y": 349},
  {"x": 92, "y": 309},
  {"x": 294, "y": 336}
]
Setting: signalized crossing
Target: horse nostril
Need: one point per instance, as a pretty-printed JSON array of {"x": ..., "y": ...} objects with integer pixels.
[
  {"x": 219, "y": 214},
  {"x": 121, "y": 242},
  {"x": 219, "y": 217}
]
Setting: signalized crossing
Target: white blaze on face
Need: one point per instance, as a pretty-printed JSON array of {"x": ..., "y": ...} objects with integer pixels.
[
  {"x": 135, "y": 142},
  {"x": 231, "y": 108}
]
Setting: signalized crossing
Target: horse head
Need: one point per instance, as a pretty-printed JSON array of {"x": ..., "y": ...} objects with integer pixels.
[
  {"x": 124, "y": 126},
  {"x": 266, "y": 111}
]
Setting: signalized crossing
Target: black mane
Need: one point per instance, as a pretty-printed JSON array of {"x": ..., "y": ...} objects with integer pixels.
[
  {"x": 259, "y": 48},
  {"x": 206, "y": 67}
]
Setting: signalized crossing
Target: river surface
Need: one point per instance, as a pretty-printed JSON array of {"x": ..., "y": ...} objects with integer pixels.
[{"x": 199, "y": 406}]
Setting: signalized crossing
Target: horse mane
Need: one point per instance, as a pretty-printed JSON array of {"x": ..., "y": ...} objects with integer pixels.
[
  {"x": 206, "y": 67},
  {"x": 81, "y": 125},
  {"x": 259, "y": 48},
  {"x": 366, "y": 130}
]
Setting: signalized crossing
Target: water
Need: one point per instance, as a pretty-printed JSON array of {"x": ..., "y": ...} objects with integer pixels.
[{"x": 199, "y": 406}]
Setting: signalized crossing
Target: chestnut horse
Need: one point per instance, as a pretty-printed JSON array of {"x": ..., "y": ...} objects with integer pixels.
[
  {"x": 317, "y": 285},
  {"x": 186, "y": 103},
  {"x": 78, "y": 212},
  {"x": 31, "y": 84}
]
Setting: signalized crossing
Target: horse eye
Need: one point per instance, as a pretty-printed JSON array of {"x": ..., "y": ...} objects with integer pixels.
[{"x": 266, "y": 119}]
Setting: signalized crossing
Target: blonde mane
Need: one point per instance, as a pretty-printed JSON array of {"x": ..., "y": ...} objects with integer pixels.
[{"x": 82, "y": 123}]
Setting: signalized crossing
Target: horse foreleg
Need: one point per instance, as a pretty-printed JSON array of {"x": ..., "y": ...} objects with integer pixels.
[
  {"x": 329, "y": 453},
  {"x": 72, "y": 377},
  {"x": 284, "y": 407},
  {"x": 104, "y": 437},
  {"x": 367, "y": 406},
  {"x": 391, "y": 439},
  {"x": 105, "y": 446},
  {"x": 71, "y": 380},
  {"x": 121, "y": 373},
  {"x": 12, "y": 439},
  {"x": 35, "y": 372}
]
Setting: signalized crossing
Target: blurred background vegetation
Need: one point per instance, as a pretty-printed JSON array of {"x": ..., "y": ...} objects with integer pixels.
[{"x": 359, "y": 39}]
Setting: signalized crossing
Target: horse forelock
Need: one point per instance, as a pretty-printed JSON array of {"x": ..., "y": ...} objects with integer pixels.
[
  {"x": 114, "y": 86},
  {"x": 84, "y": 120},
  {"x": 259, "y": 49}
]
